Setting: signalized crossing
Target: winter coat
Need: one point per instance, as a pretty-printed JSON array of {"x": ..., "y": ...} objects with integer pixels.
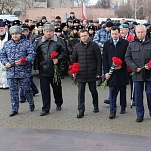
[
  {"x": 12, "y": 52},
  {"x": 119, "y": 77},
  {"x": 90, "y": 60},
  {"x": 138, "y": 54},
  {"x": 44, "y": 48}
]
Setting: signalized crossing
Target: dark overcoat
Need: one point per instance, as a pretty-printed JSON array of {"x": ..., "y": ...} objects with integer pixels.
[{"x": 119, "y": 77}]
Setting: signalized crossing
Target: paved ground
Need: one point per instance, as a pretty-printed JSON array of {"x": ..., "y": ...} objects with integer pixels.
[{"x": 61, "y": 130}]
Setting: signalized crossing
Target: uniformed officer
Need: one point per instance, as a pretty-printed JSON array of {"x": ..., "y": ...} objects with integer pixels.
[{"x": 17, "y": 56}]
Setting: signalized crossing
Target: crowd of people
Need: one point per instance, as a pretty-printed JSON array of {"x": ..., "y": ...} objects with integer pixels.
[{"x": 26, "y": 48}]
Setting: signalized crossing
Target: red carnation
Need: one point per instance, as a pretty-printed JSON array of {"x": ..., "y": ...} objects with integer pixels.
[
  {"x": 54, "y": 55},
  {"x": 117, "y": 61},
  {"x": 22, "y": 60},
  {"x": 149, "y": 64}
]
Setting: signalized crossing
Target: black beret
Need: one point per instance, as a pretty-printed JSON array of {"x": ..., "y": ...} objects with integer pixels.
[
  {"x": 75, "y": 27},
  {"x": 58, "y": 29},
  {"x": 92, "y": 27},
  {"x": 63, "y": 25},
  {"x": 16, "y": 22},
  {"x": 39, "y": 24},
  {"x": 76, "y": 21},
  {"x": 81, "y": 27}
]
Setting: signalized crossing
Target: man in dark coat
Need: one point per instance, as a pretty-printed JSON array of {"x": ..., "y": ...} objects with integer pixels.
[
  {"x": 119, "y": 79},
  {"x": 87, "y": 54},
  {"x": 137, "y": 57},
  {"x": 44, "y": 65}
]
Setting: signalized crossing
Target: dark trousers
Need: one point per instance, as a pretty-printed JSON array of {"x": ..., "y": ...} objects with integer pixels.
[
  {"x": 81, "y": 94},
  {"x": 113, "y": 95},
  {"x": 45, "y": 92},
  {"x": 139, "y": 88},
  {"x": 132, "y": 87}
]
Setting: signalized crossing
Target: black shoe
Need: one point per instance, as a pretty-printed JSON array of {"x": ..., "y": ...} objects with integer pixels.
[
  {"x": 58, "y": 108},
  {"x": 112, "y": 115},
  {"x": 43, "y": 113},
  {"x": 107, "y": 101},
  {"x": 122, "y": 110},
  {"x": 31, "y": 107},
  {"x": 96, "y": 109},
  {"x": 139, "y": 119},
  {"x": 80, "y": 115},
  {"x": 150, "y": 113},
  {"x": 35, "y": 93},
  {"x": 22, "y": 101},
  {"x": 13, "y": 113}
]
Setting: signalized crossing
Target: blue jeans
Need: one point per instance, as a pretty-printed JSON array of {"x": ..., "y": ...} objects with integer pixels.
[{"x": 139, "y": 88}]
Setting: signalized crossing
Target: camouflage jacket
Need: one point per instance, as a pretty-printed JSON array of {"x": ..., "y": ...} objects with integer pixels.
[{"x": 12, "y": 52}]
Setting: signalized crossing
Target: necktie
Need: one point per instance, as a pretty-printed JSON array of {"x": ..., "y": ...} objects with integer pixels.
[{"x": 115, "y": 42}]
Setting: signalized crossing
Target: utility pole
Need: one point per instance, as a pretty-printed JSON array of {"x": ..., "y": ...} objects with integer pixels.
[{"x": 136, "y": 8}]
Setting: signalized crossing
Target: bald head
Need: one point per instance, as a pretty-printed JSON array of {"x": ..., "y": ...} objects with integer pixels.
[{"x": 140, "y": 32}]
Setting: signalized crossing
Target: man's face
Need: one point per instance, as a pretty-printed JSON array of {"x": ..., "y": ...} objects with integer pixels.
[
  {"x": 40, "y": 28},
  {"x": 124, "y": 31},
  {"x": 108, "y": 28},
  {"x": 2, "y": 30},
  {"x": 72, "y": 15},
  {"x": 58, "y": 34},
  {"x": 91, "y": 31},
  {"x": 84, "y": 37},
  {"x": 25, "y": 32},
  {"x": 30, "y": 23},
  {"x": 48, "y": 33},
  {"x": 16, "y": 36},
  {"x": 140, "y": 33},
  {"x": 115, "y": 34},
  {"x": 65, "y": 28}
]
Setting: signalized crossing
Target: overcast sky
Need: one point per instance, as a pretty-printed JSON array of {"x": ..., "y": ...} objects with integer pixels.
[{"x": 93, "y": 1}]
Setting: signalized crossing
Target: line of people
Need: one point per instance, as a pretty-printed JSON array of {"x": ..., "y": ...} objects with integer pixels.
[{"x": 93, "y": 49}]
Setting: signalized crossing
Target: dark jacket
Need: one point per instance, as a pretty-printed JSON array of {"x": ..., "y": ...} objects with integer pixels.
[
  {"x": 119, "y": 77},
  {"x": 44, "y": 49},
  {"x": 90, "y": 60},
  {"x": 138, "y": 54}
]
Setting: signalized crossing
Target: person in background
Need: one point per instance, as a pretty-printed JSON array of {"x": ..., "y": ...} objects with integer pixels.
[
  {"x": 91, "y": 31},
  {"x": 4, "y": 36},
  {"x": 72, "y": 16},
  {"x": 100, "y": 37},
  {"x": 28, "y": 36}
]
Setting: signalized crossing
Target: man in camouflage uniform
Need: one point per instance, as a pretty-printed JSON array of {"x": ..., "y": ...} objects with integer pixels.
[{"x": 17, "y": 56}]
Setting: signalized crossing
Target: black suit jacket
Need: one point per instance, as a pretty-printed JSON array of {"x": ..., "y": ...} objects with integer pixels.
[{"x": 119, "y": 77}]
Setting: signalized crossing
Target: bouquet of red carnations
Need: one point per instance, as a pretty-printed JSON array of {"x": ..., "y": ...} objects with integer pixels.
[
  {"x": 148, "y": 64},
  {"x": 22, "y": 60},
  {"x": 56, "y": 78},
  {"x": 74, "y": 69},
  {"x": 116, "y": 62}
]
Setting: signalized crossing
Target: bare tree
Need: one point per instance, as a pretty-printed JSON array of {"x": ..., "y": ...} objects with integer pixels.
[
  {"x": 124, "y": 11},
  {"x": 80, "y": 2},
  {"x": 103, "y": 4},
  {"x": 8, "y": 6}
]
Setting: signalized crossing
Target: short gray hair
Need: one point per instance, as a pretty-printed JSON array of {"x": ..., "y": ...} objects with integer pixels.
[{"x": 142, "y": 26}]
